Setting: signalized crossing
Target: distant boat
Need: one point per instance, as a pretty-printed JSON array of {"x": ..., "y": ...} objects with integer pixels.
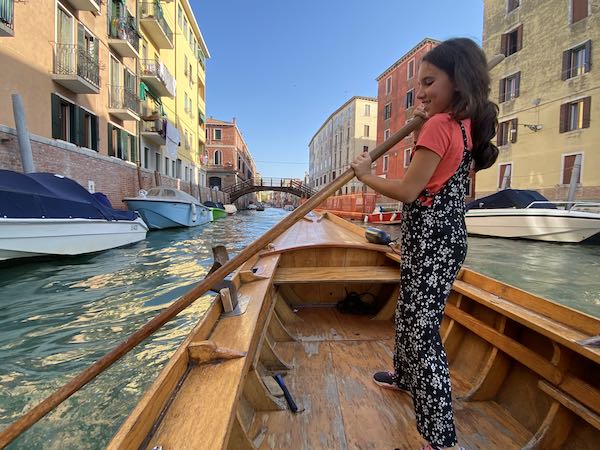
[
  {"x": 230, "y": 209},
  {"x": 288, "y": 207},
  {"x": 252, "y": 207},
  {"x": 166, "y": 207},
  {"x": 387, "y": 213},
  {"x": 45, "y": 214},
  {"x": 217, "y": 210},
  {"x": 526, "y": 214},
  {"x": 260, "y": 207}
]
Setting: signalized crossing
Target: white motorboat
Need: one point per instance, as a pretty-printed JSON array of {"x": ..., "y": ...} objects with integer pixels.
[
  {"x": 252, "y": 207},
  {"x": 230, "y": 209},
  {"x": 166, "y": 207},
  {"x": 525, "y": 214},
  {"x": 45, "y": 214}
]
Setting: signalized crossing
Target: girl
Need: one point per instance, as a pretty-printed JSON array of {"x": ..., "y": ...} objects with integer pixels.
[{"x": 454, "y": 85}]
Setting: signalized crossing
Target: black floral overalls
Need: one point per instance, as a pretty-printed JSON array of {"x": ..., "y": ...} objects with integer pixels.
[{"x": 434, "y": 246}]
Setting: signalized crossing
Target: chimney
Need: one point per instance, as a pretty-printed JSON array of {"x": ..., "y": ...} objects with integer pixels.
[{"x": 234, "y": 120}]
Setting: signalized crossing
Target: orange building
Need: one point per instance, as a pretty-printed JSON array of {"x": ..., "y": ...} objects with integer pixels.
[{"x": 396, "y": 98}]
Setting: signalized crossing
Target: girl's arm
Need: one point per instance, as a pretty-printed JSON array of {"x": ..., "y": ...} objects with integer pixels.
[{"x": 407, "y": 189}]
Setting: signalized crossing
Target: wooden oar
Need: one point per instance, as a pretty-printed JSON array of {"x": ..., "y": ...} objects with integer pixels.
[{"x": 31, "y": 417}]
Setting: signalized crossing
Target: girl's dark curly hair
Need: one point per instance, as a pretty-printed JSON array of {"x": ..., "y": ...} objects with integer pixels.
[{"x": 466, "y": 65}]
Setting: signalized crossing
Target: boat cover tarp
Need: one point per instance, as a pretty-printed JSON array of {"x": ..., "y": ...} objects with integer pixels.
[
  {"x": 511, "y": 198},
  {"x": 45, "y": 195}
]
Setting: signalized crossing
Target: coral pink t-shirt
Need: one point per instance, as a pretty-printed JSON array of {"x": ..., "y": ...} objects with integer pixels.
[{"x": 441, "y": 134}]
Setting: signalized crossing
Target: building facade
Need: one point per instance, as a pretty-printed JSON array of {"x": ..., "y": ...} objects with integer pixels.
[
  {"x": 348, "y": 131},
  {"x": 229, "y": 158},
  {"x": 548, "y": 93},
  {"x": 106, "y": 79},
  {"x": 396, "y": 98}
]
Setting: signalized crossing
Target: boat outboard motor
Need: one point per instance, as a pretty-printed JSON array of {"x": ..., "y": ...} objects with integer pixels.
[{"x": 377, "y": 236}]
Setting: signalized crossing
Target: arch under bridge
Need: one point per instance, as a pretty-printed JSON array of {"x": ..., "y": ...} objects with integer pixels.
[{"x": 289, "y": 185}]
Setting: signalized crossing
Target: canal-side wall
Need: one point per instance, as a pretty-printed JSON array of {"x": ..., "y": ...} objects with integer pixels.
[{"x": 96, "y": 172}]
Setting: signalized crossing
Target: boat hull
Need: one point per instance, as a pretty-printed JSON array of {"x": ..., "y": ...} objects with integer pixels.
[
  {"x": 388, "y": 218},
  {"x": 218, "y": 213},
  {"x": 550, "y": 225},
  {"x": 161, "y": 214},
  {"x": 24, "y": 238}
]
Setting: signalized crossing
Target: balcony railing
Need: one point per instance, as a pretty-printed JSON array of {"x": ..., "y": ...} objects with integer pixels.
[
  {"x": 154, "y": 68},
  {"x": 7, "y": 11},
  {"x": 124, "y": 28},
  {"x": 123, "y": 98},
  {"x": 152, "y": 12},
  {"x": 70, "y": 59}
]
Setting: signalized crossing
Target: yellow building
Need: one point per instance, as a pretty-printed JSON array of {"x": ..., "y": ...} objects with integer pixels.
[
  {"x": 548, "y": 95},
  {"x": 113, "y": 78}
]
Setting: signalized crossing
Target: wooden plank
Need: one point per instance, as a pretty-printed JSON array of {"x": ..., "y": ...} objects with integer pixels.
[
  {"x": 569, "y": 402},
  {"x": 554, "y": 430},
  {"x": 544, "y": 325},
  {"x": 582, "y": 391},
  {"x": 239, "y": 438},
  {"x": 357, "y": 274},
  {"x": 283, "y": 310},
  {"x": 259, "y": 396},
  {"x": 522, "y": 354}
]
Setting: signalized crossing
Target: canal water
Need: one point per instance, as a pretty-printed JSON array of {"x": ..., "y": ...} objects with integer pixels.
[{"x": 58, "y": 317}]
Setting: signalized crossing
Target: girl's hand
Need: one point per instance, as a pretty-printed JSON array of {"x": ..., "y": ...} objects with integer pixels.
[
  {"x": 362, "y": 165},
  {"x": 419, "y": 111}
]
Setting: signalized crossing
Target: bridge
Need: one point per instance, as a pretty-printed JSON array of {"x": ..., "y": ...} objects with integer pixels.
[{"x": 290, "y": 185}]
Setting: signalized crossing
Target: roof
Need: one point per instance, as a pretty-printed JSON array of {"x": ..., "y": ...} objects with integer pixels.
[{"x": 408, "y": 55}]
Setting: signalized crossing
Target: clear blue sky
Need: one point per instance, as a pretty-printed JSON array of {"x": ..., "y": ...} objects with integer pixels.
[{"x": 282, "y": 67}]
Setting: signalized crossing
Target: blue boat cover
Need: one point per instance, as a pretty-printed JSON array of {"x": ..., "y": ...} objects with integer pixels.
[
  {"x": 510, "y": 198},
  {"x": 45, "y": 195}
]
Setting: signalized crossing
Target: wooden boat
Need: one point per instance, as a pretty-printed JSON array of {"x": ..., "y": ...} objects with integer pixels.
[
  {"x": 385, "y": 214},
  {"x": 521, "y": 379}
]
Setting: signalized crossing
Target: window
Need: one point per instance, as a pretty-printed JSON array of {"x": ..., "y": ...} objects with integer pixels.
[
  {"x": 576, "y": 61},
  {"x": 410, "y": 69},
  {"x": 146, "y": 158},
  {"x": 166, "y": 166},
  {"x": 575, "y": 115},
  {"x": 121, "y": 144},
  {"x": 367, "y": 110},
  {"x": 507, "y": 132},
  {"x": 469, "y": 187},
  {"x": 387, "y": 111},
  {"x": 569, "y": 162},
  {"x": 180, "y": 16},
  {"x": 513, "y": 4},
  {"x": 178, "y": 169},
  {"x": 185, "y": 65},
  {"x": 385, "y": 162},
  {"x": 579, "y": 10},
  {"x": 386, "y": 134},
  {"x": 365, "y": 148},
  {"x": 388, "y": 85},
  {"x": 509, "y": 87},
  {"x": 218, "y": 158},
  {"x": 407, "y": 153},
  {"x": 366, "y": 131},
  {"x": 157, "y": 161},
  {"x": 73, "y": 124},
  {"x": 217, "y": 134},
  {"x": 504, "y": 175},
  {"x": 409, "y": 100},
  {"x": 512, "y": 41}
]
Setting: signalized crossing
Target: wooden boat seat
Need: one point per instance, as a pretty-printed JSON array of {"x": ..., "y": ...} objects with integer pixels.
[
  {"x": 358, "y": 274},
  {"x": 571, "y": 403},
  {"x": 557, "y": 331}
]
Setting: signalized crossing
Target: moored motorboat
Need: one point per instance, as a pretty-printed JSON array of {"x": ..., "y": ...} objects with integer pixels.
[
  {"x": 521, "y": 377},
  {"x": 525, "y": 214},
  {"x": 166, "y": 207},
  {"x": 230, "y": 209},
  {"x": 217, "y": 210},
  {"x": 45, "y": 214},
  {"x": 251, "y": 207}
]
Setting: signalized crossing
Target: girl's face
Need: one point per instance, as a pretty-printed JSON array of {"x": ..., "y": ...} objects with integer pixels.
[{"x": 435, "y": 89}]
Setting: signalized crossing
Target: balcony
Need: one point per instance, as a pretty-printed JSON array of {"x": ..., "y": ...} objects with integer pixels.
[
  {"x": 76, "y": 69},
  {"x": 157, "y": 28},
  {"x": 86, "y": 5},
  {"x": 154, "y": 130},
  {"x": 155, "y": 74},
  {"x": 7, "y": 12},
  {"x": 123, "y": 103},
  {"x": 124, "y": 37}
]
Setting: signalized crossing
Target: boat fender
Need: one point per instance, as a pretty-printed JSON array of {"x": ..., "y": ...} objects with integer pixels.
[
  {"x": 377, "y": 236},
  {"x": 142, "y": 193},
  {"x": 194, "y": 214}
]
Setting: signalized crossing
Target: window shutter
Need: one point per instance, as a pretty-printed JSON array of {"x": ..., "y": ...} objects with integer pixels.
[
  {"x": 564, "y": 117},
  {"x": 503, "y": 44},
  {"x": 568, "y": 164},
  {"x": 111, "y": 150},
  {"x": 520, "y": 37},
  {"x": 580, "y": 10},
  {"x": 56, "y": 116},
  {"x": 587, "y": 103},
  {"x": 588, "y": 56},
  {"x": 79, "y": 126},
  {"x": 75, "y": 124},
  {"x": 501, "y": 90},
  {"x": 513, "y": 134},
  {"x": 566, "y": 70},
  {"x": 517, "y": 84},
  {"x": 95, "y": 132},
  {"x": 133, "y": 146}
]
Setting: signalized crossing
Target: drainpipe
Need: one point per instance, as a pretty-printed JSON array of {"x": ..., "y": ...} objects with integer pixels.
[{"x": 22, "y": 134}]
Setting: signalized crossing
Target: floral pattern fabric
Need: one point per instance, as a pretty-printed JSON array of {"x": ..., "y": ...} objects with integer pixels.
[{"x": 434, "y": 247}]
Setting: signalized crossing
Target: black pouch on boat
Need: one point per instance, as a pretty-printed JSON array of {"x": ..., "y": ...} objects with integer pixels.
[
  {"x": 377, "y": 236},
  {"x": 354, "y": 304}
]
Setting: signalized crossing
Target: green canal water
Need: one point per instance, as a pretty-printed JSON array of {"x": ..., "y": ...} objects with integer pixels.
[{"x": 58, "y": 317}]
